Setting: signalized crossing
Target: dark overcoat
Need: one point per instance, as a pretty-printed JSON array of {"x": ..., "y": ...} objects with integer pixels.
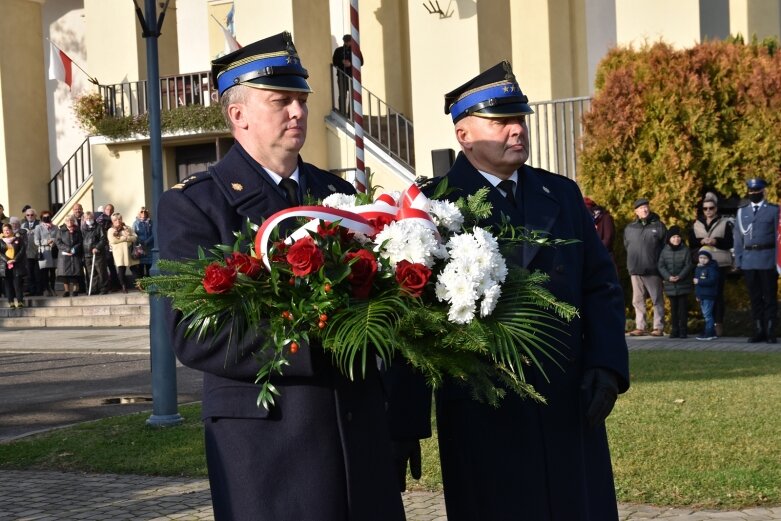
[
  {"x": 524, "y": 460},
  {"x": 322, "y": 452}
]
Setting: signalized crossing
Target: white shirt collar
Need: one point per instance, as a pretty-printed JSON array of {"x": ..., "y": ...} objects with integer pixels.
[
  {"x": 494, "y": 180},
  {"x": 277, "y": 178}
]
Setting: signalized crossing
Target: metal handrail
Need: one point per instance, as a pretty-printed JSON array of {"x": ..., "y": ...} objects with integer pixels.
[
  {"x": 68, "y": 179},
  {"x": 384, "y": 125}
]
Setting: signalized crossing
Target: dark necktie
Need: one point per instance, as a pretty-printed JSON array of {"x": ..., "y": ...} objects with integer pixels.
[
  {"x": 508, "y": 187},
  {"x": 756, "y": 207},
  {"x": 291, "y": 190}
]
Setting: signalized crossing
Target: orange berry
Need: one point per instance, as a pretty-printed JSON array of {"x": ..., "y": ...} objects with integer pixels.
[
  {"x": 293, "y": 347},
  {"x": 323, "y": 317},
  {"x": 292, "y": 281},
  {"x": 321, "y": 324},
  {"x": 327, "y": 288}
]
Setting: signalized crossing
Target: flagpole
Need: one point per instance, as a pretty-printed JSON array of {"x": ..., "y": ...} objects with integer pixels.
[
  {"x": 91, "y": 79},
  {"x": 357, "y": 101}
]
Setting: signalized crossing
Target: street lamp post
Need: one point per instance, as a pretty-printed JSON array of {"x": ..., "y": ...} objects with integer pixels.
[{"x": 162, "y": 360}]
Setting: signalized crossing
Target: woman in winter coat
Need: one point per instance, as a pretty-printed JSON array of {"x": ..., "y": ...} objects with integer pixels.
[
  {"x": 44, "y": 235},
  {"x": 143, "y": 228},
  {"x": 70, "y": 260},
  {"x": 714, "y": 233},
  {"x": 675, "y": 267},
  {"x": 121, "y": 237},
  {"x": 13, "y": 264}
]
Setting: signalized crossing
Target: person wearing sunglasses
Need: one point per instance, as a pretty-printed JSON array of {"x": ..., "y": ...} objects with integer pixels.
[{"x": 713, "y": 233}]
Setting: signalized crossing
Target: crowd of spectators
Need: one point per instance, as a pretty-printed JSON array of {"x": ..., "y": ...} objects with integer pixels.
[
  {"x": 659, "y": 262},
  {"x": 89, "y": 254}
]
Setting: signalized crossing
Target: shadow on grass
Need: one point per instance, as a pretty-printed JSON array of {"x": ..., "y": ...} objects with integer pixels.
[{"x": 662, "y": 366}]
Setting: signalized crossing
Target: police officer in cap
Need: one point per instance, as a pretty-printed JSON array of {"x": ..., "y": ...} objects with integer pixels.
[
  {"x": 756, "y": 240},
  {"x": 322, "y": 451},
  {"x": 518, "y": 461}
]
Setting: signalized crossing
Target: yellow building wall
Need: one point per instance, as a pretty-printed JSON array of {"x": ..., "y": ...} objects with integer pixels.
[
  {"x": 24, "y": 159},
  {"x": 760, "y": 18},
  {"x": 118, "y": 172},
  {"x": 676, "y": 22},
  {"x": 115, "y": 50},
  {"x": 444, "y": 56}
]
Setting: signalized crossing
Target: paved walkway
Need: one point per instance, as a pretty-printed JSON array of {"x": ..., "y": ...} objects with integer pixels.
[{"x": 38, "y": 495}]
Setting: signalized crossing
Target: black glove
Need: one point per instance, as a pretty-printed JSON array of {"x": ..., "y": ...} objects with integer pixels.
[
  {"x": 599, "y": 390},
  {"x": 404, "y": 452}
]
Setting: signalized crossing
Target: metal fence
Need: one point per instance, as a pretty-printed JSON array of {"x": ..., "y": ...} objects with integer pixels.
[{"x": 556, "y": 132}]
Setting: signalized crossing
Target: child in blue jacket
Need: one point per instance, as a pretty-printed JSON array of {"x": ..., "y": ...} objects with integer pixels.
[{"x": 706, "y": 279}]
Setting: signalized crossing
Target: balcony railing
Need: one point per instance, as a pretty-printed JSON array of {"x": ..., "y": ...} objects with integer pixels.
[
  {"x": 556, "y": 131},
  {"x": 131, "y": 98},
  {"x": 383, "y": 124}
]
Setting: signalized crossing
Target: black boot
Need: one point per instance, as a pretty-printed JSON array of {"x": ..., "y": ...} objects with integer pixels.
[
  {"x": 759, "y": 333},
  {"x": 684, "y": 331},
  {"x": 771, "y": 335}
]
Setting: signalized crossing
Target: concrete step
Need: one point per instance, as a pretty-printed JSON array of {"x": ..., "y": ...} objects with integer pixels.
[{"x": 113, "y": 310}]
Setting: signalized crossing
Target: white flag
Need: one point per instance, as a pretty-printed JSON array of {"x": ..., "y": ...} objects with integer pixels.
[{"x": 230, "y": 42}]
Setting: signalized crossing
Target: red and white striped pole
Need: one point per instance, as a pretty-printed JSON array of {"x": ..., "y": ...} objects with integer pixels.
[{"x": 357, "y": 99}]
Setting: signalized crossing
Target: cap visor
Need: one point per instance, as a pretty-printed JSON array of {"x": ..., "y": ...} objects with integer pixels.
[
  {"x": 503, "y": 111},
  {"x": 287, "y": 82}
]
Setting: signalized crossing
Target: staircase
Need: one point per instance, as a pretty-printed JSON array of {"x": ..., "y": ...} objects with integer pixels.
[{"x": 113, "y": 310}]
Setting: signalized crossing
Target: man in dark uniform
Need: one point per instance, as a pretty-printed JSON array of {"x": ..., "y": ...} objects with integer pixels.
[
  {"x": 343, "y": 62},
  {"x": 525, "y": 460},
  {"x": 322, "y": 451},
  {"x": 755, "y": 246}
]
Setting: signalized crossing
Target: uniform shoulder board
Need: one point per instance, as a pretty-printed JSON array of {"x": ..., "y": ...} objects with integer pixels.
[{"x": 191, "y": 180}]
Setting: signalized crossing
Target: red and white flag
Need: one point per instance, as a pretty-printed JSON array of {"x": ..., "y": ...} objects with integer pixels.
[
  {"x": 60, "y": 66},
  {"x": 230, "y": 41}
]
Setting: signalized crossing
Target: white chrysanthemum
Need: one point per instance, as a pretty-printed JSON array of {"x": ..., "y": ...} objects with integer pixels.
[
  {"x": 340, "y": 201},
  {"x": 445, "y": 213},
  {"x": 408, "y": 240},
  {"x": 461, "y": 314},
  {"x": 490, "y": 299}
]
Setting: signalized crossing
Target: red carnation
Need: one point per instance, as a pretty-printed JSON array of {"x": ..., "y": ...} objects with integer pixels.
[
  {"x": 380, "y": 222},
  {"x": 362, "y": 272},
  {"x": 305, "y": 257},
  {"x": 412, "y": 277},
  {"x": 218, "y": 279},
  {"x": 246, "y": 264}
]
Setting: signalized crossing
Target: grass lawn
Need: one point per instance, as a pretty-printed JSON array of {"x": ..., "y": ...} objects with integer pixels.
[{"x": 696, "y": 428}]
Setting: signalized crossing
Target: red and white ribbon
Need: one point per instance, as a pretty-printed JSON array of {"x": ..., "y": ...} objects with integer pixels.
[{"x": 412, "y": 204}]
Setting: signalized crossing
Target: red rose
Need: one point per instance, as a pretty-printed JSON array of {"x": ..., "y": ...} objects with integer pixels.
[
  {"x": 380, "y": 222},
  {"x": 246, "y": 264},
  {"x": 305, "y": 257},
  {"x": 362, "y": 272},
  {"x": 412, "y": 277},
  {"x": 280, "y": 252},
  {"x": 327, "y": 228},
  {"x": 218, "y": 279}
]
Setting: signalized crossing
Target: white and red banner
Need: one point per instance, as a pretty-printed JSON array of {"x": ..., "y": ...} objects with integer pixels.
[
  {"x": 231, "y": 44},
  {"x": 60, "y": 66}
]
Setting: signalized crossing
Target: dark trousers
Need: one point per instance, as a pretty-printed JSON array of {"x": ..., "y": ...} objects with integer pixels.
[
  {"x": 718, "y": 307},
  {"x": 13, "y": 286},
  {"x": 762, "y": 288},
  {"x": 34, "y": 283},
  {"x": 48, "y": 278},
  {"x": 99, "y": 274},
  {"x": 679, "y": 314},
  {"x": 344, "y": 80}
]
